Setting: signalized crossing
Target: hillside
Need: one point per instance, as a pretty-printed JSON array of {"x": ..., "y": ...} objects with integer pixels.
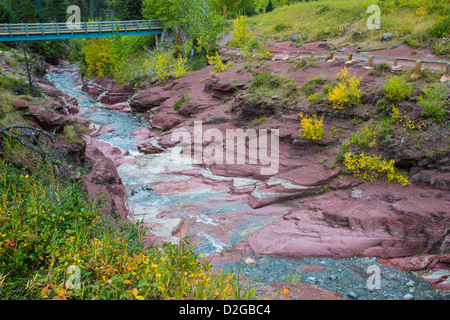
[{"x": 344, "y": 23}]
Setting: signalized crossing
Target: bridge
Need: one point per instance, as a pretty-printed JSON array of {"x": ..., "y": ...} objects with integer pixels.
[{"x": 52, "y": 31}]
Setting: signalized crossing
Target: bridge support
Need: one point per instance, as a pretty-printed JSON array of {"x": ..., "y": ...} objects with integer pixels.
[{"x": 159, "y": 40}]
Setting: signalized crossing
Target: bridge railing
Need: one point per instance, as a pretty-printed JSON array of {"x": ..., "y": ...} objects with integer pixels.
[{"x": 27, "y": 29}]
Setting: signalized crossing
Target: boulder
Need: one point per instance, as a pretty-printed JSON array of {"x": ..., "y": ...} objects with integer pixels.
[
  {"x": 20, "y": 105},
  {"x": 50, "y": 120},
  {"x": 148, "y": 99},
  {"x": 387, "y": 36},
  {"x": 116, "y": 95}
]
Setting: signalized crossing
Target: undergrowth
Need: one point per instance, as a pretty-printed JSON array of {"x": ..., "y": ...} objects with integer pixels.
[{"x": 49, "y": 232}]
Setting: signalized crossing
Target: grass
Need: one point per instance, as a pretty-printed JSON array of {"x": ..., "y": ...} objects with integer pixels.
[
  {"x": 47, "y": 227},
  {"x": 268, "y": 85},
  {"x": 330, "y": 19}
]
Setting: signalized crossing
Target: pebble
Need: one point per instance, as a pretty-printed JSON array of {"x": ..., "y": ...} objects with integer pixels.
[
  {"x": 311, "y": 280},
  {"x": 410, "y": 283},
  {"x": 408, "y": 296},
  {"x": 352, "y": 295}
]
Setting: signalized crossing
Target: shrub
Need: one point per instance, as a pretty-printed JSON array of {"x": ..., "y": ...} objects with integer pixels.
[
  {"x": 241, "y": 34},
  {"x": 267, "y": 84},
  {"x": 347, "y": 93},
  {"x": 218, "y": 64},
  {"x": 312, "y": 128},
  {"x": 436, "y": 102},
  {"x": 366, "y": 138},
  {"x": 397, "y": 89},
  {"x": 309, "y": 86},
  {"x": 44, "y": 229},
  {"x": 281, "y": 26},
  {"x": 373, "y": 167}
]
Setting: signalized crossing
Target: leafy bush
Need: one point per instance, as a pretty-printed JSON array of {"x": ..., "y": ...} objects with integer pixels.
[
  {"x": 44, "y": 229},
  {"x": 373, "y": 167},
  {"x": 436, "y": 102},
  {"x": 397, "y": 89},
  {"x": 366, "y": 138},
  {"x": 312, "y": 128},
  {"x": 347, "y": 93},
  {"x": 241, "y": 34},
  {"x": 218, "y": 64},
  {"x": 267, "y": 84},
  {"x": 440, "y": 29},
  {"x": 309, "y": 86},
  {"x": 281, "y": 26}
]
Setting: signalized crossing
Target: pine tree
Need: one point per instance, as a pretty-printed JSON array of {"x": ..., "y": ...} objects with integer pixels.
[{"x": 269, "y": 6}]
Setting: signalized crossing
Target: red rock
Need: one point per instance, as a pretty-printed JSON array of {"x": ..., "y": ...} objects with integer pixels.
[
  {"x": 47, "y": 89},
  {"x": 304, "y": 291},
  {"x": 98, "y": 86},
  {"x": 117, "y": 94},
  {"x": 102, "y": 130},
  {"x": 144, "y": 133},
  {"x": 122, "y": 107},
  {"x": 350, "y": 223},
  {"x": 311, "y": 267},
  {"x": 49, "y": 120},
  {"x": 20, "y": 105},
  {"x": 148, "y": 99},
  {"x": 103, "y": 181},
  {"x": 416, "y": 263}
]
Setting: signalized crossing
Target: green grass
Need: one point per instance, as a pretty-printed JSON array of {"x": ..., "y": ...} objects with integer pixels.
[
  {"x": 330, "y": 18},
  {"x": 267, "y": 85}
]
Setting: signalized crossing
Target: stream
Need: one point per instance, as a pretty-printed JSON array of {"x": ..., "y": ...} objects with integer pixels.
[{"x": 165, "y": 195}]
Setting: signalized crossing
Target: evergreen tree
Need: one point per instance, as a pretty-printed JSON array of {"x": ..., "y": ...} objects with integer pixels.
[
  {"x": 128, "y": 9},
  {"x": 7, "y": 15},
  {"x": 269, "y": 6}
]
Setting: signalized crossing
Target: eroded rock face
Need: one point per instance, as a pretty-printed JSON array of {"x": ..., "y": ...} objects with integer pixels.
[
  {"x": 49, "y": 120},
  {"x": 117, "y": 94},
  {"x": 102, "y": 180},
  {"x": 370, "y": 220},
  {"x": 148, "y": 99},
  {"x": 98, "y": 86}
]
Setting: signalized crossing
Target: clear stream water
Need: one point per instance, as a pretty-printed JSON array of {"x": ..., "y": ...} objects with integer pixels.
[{"x": 150, "y": 185}]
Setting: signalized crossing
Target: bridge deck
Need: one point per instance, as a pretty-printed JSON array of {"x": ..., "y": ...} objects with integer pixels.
[{"x": 48, "y": 31}]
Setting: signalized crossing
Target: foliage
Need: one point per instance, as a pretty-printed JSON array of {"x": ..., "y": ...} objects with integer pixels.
[
  {"x": 309, "y": 86},
  {"x": 397, "y": 89},
  {"x": 241, "y": 34},
  {"x": 347, "y": 93},
  {"x": 372, "y": 167},
  {"x": 267, "y": 85},
  {"x": 98, "y": 57},
  {"x": 269, "y": 6},
  {"x": 45, "y": 228},
  {"x": 312, "y": 128},
  {"x": 218, "y": 64},
  {"x": 436, "y": 102},
  {"x": 366, "y": 138}
]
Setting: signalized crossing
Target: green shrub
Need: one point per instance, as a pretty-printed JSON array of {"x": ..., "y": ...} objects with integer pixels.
[
  {"x": 281, "y": 26},
  {"x": 397, "y": 89},
  {"x": 45, "y": 228},
  {"x": 436, "y": 102},
  {"x": 440, "y": 29},
  {"x": 268, "y": 84},
  {"x": 309, "y": 86}
]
